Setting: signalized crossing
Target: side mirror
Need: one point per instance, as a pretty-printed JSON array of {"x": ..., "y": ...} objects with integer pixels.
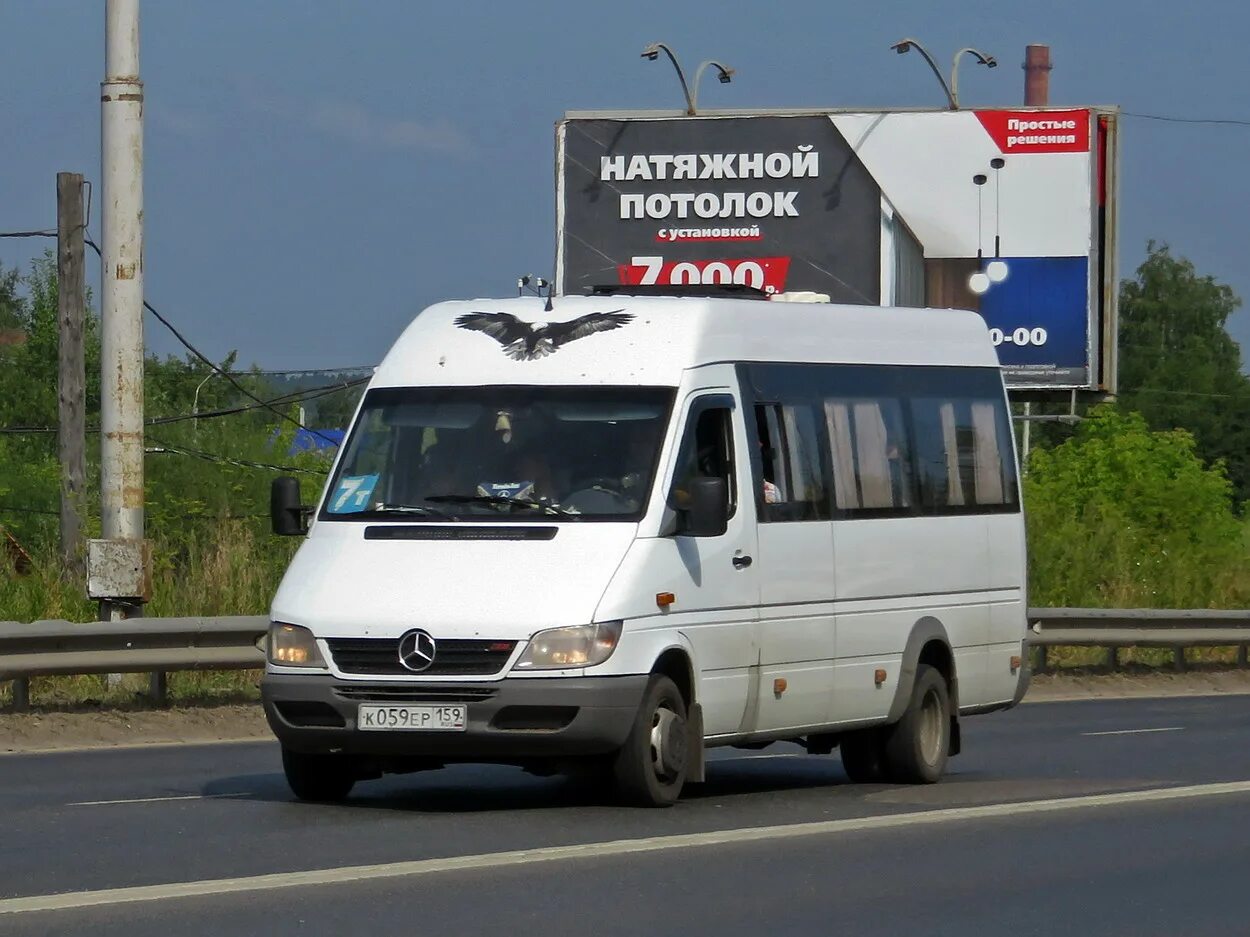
[
  {"x": 708, "y": 513},
  {"x": 286, "y": 514}
]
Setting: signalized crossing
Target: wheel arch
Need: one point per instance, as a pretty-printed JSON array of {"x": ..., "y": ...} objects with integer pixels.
[{"x": 928, "y": 643}]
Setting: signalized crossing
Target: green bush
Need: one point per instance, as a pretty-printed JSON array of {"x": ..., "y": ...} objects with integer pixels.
[{"x": 1120, "y": 516}]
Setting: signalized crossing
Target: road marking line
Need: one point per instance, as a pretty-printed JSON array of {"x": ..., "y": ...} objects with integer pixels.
[
  {"x": 1136, "y": 731},
  {"x": 362, "y": 873},
  {"x": 154, "y": 800}
]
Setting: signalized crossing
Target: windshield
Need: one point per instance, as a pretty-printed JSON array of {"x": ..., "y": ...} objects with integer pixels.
[{"x": 510, "y": 452}]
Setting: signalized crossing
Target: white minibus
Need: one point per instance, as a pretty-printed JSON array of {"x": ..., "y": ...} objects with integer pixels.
[{"x": 610, "y": 532}]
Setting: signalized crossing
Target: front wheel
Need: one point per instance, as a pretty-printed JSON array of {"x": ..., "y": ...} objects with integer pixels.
[
  {"x": 322, "y": 778},
  {"x": 650, "y": 767},
  {"x": 917, "y": 746}
]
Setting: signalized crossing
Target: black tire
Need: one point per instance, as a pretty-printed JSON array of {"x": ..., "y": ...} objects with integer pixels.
[
  {"x": 863, "y": 756},
  {"x": 319, "y": 778},
  {"x": 650, "y": 768},
  {"x": 917, "y": 746}
]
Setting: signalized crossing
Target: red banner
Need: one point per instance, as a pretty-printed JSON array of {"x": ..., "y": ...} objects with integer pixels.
[
  {"x": 763, "y": 273},
  {"x": 1038, "y": 131}
]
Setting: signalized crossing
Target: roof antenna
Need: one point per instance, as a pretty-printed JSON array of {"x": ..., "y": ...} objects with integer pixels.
[{"x": 550, "y": 289}]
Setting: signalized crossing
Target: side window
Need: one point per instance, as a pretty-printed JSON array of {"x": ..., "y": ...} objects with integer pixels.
[
  {"x": 964, "y": 449},
  {"x": 872, "y": 459},
  {"x": 793, "y": 487},
  {"x": 706, "y": 450}
]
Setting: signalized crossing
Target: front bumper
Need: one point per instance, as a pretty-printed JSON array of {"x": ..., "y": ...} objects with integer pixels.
[{"x": 508, "y": 720}]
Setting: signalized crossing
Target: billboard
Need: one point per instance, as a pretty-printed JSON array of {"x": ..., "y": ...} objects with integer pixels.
[{"x": 1010, "y": 213}]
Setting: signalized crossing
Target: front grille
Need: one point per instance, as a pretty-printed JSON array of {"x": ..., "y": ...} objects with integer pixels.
[
  {"x": 452, "y": 657},
  {"x": 405, "y": 693}
]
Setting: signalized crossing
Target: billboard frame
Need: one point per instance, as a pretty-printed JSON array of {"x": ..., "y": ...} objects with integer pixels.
[{"x": 1102, "y": 321}]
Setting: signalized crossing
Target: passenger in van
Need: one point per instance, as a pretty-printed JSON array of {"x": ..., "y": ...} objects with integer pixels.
[{"x": 772, "y": 494}]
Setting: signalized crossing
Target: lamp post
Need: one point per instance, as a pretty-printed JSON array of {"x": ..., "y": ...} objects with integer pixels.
[
  {"x": 981, "y": 59},
  {"x": 951, "y": 89},
  {"x": 195, "y": 405},
  {"x": 724, "y": 73}
]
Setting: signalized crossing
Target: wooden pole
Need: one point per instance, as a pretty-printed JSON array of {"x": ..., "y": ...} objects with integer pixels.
[{"x": 72, "y": 373}]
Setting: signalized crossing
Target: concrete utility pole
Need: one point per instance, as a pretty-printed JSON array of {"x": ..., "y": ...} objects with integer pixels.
[
  {"x": 117, "y": 565},
  {"x": 72, "y": 372}
]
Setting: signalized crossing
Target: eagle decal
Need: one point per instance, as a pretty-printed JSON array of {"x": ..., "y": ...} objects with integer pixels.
[{"x": 529, "y": 341}]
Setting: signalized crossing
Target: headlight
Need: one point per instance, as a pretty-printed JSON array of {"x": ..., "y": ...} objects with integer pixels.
[
  {"x": 293, "y": 646},
  {"x": 579, "y": 646}
]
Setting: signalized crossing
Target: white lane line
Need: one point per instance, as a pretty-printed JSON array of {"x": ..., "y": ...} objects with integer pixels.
[
  {"x": 154, "y": 800},
  {"x": 494, "y": 860},
  {"x": 1136, "y": 731}
]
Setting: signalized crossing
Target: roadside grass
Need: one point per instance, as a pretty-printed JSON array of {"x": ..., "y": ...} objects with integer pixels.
[
  {"x": 92, "y": 691},
  {"x": 229, "y": 569}
]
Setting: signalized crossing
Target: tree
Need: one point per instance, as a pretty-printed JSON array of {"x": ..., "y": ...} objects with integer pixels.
[
  {"x": 11, "y": 307},
  {"x": 1178, "y": 366}
]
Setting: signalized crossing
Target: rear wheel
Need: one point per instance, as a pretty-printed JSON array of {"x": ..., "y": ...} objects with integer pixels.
[
  {"x": 322, "y": 778},
  {"x": 917, "y": 746},
  {"x": 650, "y": 767}
]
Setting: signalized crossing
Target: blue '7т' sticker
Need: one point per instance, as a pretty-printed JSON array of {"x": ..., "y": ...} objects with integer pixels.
[{"x": 353, "y": 493}]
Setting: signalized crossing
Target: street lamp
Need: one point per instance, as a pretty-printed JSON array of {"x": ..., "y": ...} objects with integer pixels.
[
  {"x": 195, "y": 405},
  {"x": 981, "y": 58},
  {"x": 724, "y": 73},
  {"x": 904, "y": 46}
]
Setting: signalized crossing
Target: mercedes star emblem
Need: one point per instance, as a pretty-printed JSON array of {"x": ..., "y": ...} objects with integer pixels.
[{"x": 416, "y": 650}]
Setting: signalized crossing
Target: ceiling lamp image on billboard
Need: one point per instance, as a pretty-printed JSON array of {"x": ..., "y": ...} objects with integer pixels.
[{"x": 1006, "y": 212}]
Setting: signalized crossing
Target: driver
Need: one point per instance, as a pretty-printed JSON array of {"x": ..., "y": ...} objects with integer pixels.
[
  {"x": 518, "y": 468},
  {"x": 636, "y": 457}
]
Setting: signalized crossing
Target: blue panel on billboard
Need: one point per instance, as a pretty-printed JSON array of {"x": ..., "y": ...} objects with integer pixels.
[{"x": 1038, "y": 314}]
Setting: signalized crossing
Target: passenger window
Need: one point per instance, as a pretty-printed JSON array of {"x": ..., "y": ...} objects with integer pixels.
[
  {"x": 964, "y": 453},
  {"x": 871, "y": 455},
  {"x": 706, "y": 450},
  {"x": 793, "y": 486}
]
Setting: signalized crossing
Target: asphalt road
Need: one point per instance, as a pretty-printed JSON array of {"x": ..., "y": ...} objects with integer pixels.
[{"x": 1097, "y": 818}]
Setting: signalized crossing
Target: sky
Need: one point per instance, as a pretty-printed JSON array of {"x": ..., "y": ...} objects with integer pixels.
[{"x": 317, "y": 172}]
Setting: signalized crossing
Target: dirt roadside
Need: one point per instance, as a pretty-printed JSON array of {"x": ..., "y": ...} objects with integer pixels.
[{"x": 59, "y": 730}]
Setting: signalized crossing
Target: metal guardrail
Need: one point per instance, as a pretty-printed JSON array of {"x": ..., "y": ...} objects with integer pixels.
[
  {"x": 136, "y": 645},
  {"x": 1114, "y": 628},
  {"x": 161, "y": 645},
  {"x": 1140, "y": 627}
]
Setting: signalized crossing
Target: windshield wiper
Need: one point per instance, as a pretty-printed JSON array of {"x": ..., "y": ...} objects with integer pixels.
[
  {"x": 406, "y": 509},
  {"x": 504, "y": 499}
]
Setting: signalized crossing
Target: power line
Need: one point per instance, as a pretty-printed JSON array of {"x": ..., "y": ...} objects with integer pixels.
[
  {"x": 1225, "y": 121},
  {"x": 163, "y": 447},
  {"x": 311, "y": 393},
  {"x": 186, "y": 344},
  {"x": 1179, "y": 393},
  {"x": 208, "y": 361},
  {"x": 355, "y": 369}
]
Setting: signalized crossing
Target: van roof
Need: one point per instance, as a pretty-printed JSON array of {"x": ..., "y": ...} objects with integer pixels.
[{"x": 625, "y": 340}]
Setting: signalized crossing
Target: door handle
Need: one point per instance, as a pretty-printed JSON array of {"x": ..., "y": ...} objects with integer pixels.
[{"x": 741, "y": 562}]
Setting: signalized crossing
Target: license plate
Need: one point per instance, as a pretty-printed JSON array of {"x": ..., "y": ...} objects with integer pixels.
[{"x": 372, "y": 717}]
